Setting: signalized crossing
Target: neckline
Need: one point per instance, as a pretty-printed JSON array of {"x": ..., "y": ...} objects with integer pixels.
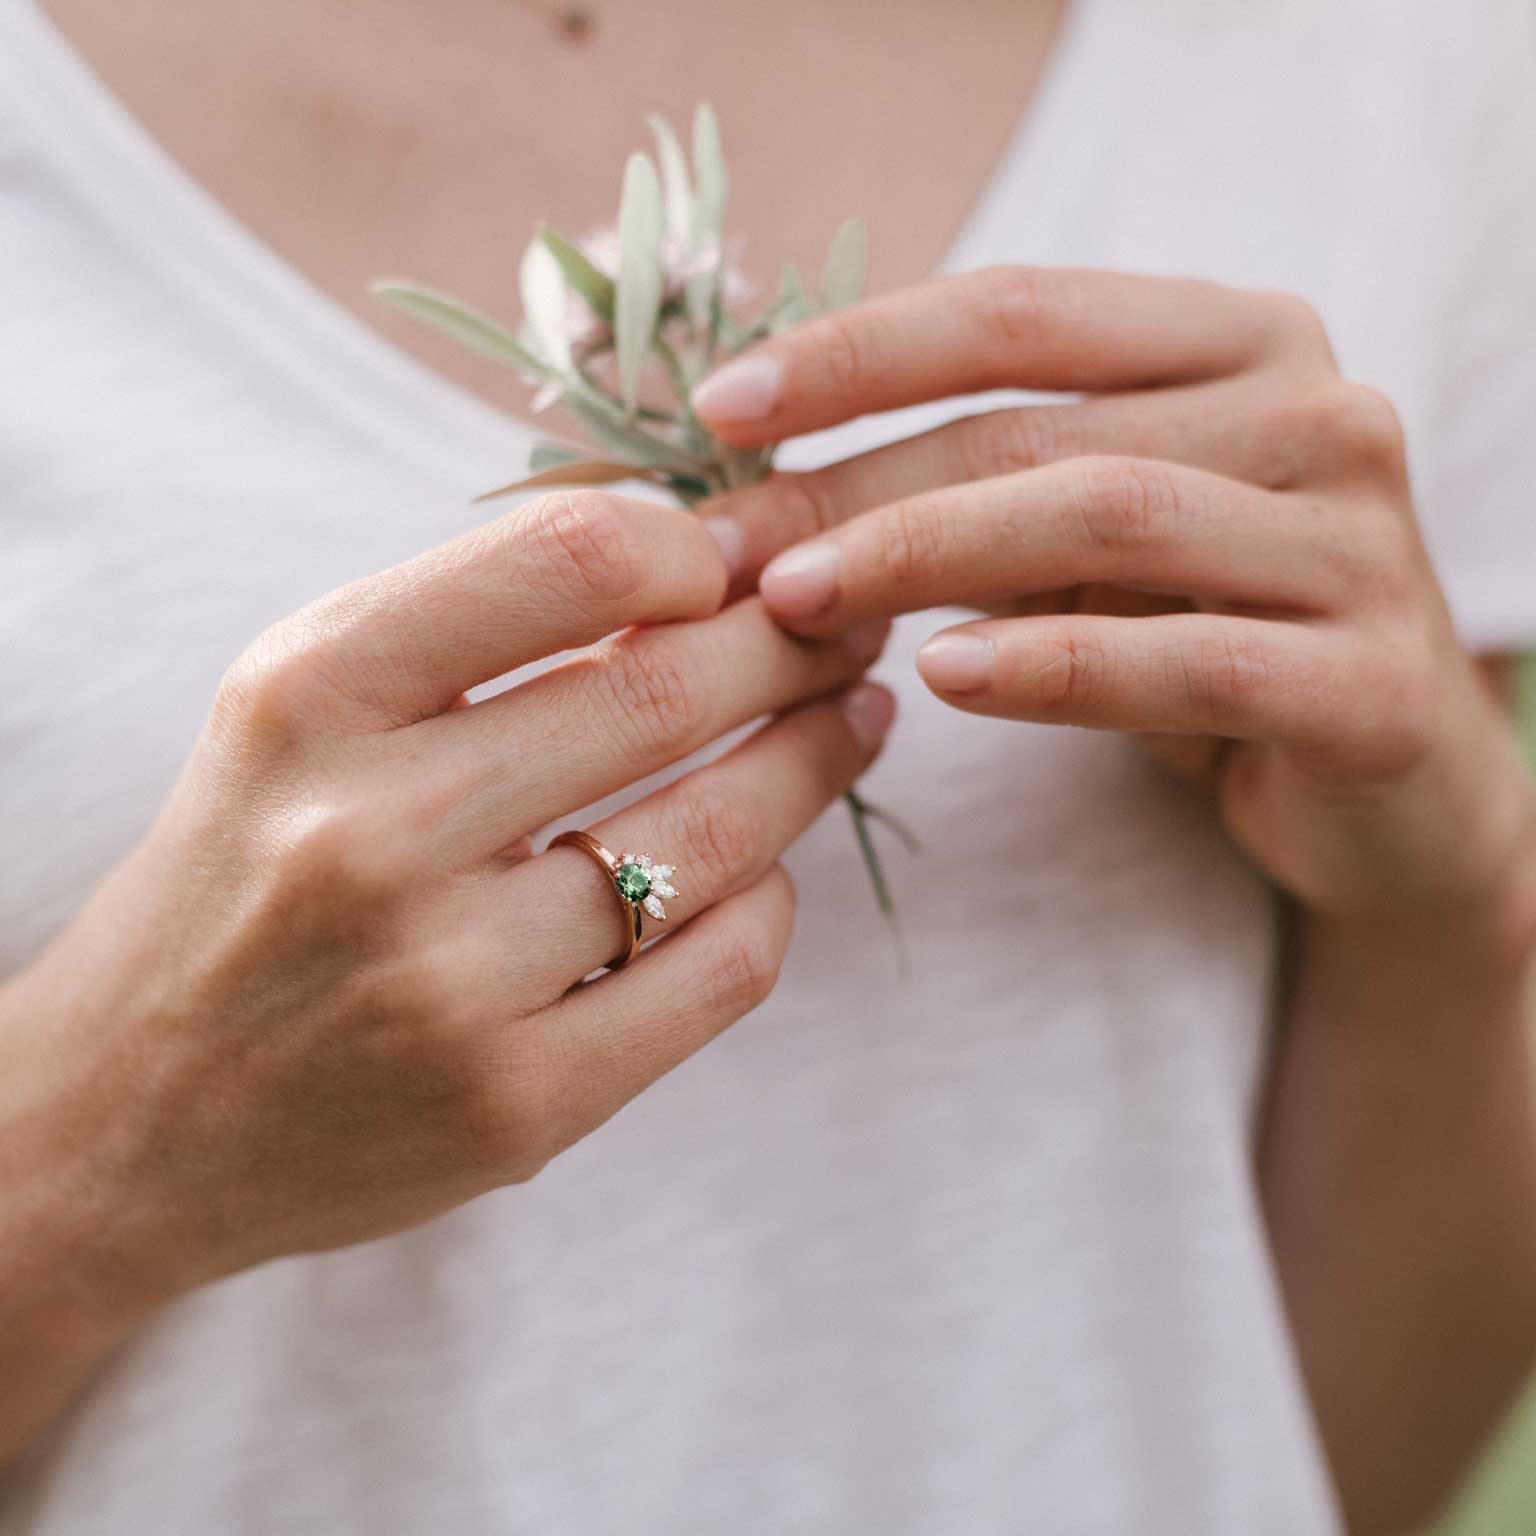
[{"x": 230, "y": 272}]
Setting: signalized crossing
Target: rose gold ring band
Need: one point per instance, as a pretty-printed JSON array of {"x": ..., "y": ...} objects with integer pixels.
[{"x": 595, "y": 851}]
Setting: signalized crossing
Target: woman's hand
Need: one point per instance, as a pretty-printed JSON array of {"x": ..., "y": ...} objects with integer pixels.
[
  {"x": 333, "y": 993},
  {"x": 1216, "y": 549}
]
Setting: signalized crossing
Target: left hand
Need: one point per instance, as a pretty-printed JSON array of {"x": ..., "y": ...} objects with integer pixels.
[{"x": 1214, "y": 548}]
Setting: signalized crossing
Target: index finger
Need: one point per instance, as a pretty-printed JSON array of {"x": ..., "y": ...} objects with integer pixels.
[
  {"x": 558, "y": 572},
  {"x": 1058, "y": 329}
]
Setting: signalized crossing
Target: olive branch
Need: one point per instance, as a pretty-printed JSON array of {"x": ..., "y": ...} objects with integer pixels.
[{"x": 657, "y": 289}]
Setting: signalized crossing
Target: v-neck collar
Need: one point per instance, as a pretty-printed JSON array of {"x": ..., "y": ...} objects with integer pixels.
[{"x": 228, "y": 271}]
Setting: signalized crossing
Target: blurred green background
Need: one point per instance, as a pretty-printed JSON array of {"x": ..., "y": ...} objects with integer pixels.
[{"x": 1500, "y": 1499}]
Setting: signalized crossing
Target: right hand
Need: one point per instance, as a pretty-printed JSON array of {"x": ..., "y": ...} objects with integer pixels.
[{"x": 333, "y": 994}]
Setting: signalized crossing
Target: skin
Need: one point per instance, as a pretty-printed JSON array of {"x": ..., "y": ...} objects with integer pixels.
[
  {"x": 328, "y": 862},
  {"x": 400, "y": 136},
  {"x": 1114, "y": 545},
  {"x": 334, "y": 993},
  {"x": 1216, "y": 549}
]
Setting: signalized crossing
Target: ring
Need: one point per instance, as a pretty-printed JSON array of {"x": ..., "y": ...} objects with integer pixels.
[{"x": 637, "y": 882}]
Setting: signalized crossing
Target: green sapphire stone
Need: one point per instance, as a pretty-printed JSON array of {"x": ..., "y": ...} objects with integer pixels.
[{"x": 633, "y": 882}]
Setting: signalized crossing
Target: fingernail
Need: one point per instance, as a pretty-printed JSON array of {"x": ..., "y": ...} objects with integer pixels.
[
  {"x": 866, "y": 641},
  {"x": 801, "y": 581},
  {"x": 728, "y": 534},
  {"x": 956, "y": 663},
  {"x": 744, "y": 390},
  {"x": 869, "y": 709}
]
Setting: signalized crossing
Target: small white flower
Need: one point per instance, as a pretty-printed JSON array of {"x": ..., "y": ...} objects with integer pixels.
[{"x": 584, "y": 332}]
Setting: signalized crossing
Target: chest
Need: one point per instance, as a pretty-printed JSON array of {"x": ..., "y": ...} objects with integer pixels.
[{"x": 429, "y": 140}]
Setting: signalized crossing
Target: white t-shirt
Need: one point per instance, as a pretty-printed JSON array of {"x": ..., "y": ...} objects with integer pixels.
[{"x": 973, "y": 1252}]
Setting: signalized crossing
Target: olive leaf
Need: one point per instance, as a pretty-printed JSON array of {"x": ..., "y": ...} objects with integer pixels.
[
  {"x": 573, "y": 472},
  {"x": 638, "y": 295},
  {"x": 581, "y": 386},
  {"x": 543, "y": 292},
  {"x": 674, "y": 180},
  {"x": 708, "y": 217},
  {"x": 457, "y": 320},
  {"x": 677, "y": 216},
  {"x": 546, "y": 453},
  {"x": 627, "y": 441},
  {"x": 791, "y": 306},
  {"x": 842, "y": 273},
  {"x": 788, "y": 307},
  {"x": 595, "y": 286}
]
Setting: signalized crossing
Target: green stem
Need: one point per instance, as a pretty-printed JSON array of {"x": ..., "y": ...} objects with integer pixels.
[
  {"x": 888, "y": 819},
  {"x": 860, "y": 810},
  {"x": 698, "y": 435}
]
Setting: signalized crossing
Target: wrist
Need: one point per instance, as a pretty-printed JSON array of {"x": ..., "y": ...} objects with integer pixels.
[
  {"x": 74, "y": 1282},
  {"x": 84, "y": 1241},
  {"x": 1496, "y": 922},
  {"x": 1465, "y": 901},
  {"x": 1479, "y": 946}
]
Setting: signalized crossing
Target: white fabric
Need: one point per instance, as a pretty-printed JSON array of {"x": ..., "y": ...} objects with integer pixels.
[{"x": 975, "y": 1252}]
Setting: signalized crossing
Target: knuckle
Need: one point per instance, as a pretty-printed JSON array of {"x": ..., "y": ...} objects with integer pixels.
[
  {"x": 1221, "y": 674},
  {"x": 1374, "y": 554},
  {"x": 720, "y": 834},
  {"x": 742, "y": 969},
  {"x": 653, "y": 699},
  {"x": 1123, "y": 503},
  {"x": 1004, "y": 442},
  {"x": 1069, "y": 673},
  {"x": 1339, "y": 426},
  {"x": 911, "y": 542},
  {"x": 842, "y": 354},
  {"x": 405, "y": 1009},
  {"x": 1393, "y": 564},
  {"x": 1298, "y": 428},
  {"x": 269, "y": 689},
  {"x": 1294, "y": 321},
  {"x": 1368, "y": 425},
  {"x": 526, "y": 1169},
  {"x": 580, "y": 546},
  {"x": 803, "y": 507},
  {"x": 340, "y": 871},
  {"x": 1013, "y": 304},
  {"x": 1301, "y": 424}
]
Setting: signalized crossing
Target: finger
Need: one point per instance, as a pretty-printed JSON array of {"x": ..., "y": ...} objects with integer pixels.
[
  {"x": 1002, "y": 327},
  {"x": 635, "y": 704},
  {"x": 1183, "y": 673},
  {"x": 611, "y": 1039},
  {"x": 719, "y": 828},
  {"x": 1134, "y": 522},
  {"x": 560, "y": 571},
  {"x": 1235, "y": 428}
]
